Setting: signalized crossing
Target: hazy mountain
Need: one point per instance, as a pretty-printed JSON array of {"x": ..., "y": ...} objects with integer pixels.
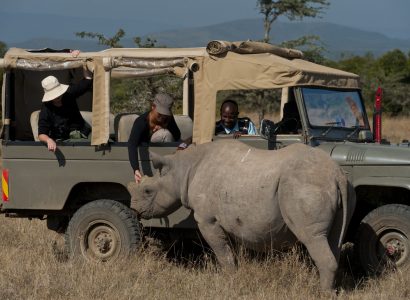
[
  {"x": 64, "y": 27},
  {"x": 337, "y": 39}
]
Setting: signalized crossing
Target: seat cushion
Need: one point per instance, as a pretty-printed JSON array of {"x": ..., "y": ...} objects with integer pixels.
[
  {"x": 185, "y": 125},
  {"x": 34, "y": 123},
  {"x": 124, "y": 123},
  {"x": 87, "y": 116}
]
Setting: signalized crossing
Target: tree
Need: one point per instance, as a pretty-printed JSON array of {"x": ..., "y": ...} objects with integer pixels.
[
  {"x": 134, "y": 95},
  {"x": 3, "y": 49},
  {"x": 394, "y": 62},
  {"x": 390, "y": 71},
  {"x": 291, "y": 9},
  {"x": 113, "y": 42},
  {"x": 311, "y": 46}
]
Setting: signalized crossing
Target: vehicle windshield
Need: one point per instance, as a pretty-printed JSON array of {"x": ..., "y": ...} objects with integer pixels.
[{"x": 333, "y": 108}]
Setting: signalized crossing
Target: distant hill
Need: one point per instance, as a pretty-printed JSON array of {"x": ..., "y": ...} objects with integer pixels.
[
  {"x": 13, "y": 31},
  {"x": 336, "y": 38}
]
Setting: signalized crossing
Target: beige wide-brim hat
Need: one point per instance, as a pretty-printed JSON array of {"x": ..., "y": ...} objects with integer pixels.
[{"x": 52, "y": 88}]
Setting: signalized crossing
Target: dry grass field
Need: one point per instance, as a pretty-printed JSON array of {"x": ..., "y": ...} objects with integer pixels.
[
  {"x": 396, "y": 129},
  {"x": 30, "y": 269}
]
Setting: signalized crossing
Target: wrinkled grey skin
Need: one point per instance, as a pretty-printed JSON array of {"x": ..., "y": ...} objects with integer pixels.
[{"x": 265, "y": 199}]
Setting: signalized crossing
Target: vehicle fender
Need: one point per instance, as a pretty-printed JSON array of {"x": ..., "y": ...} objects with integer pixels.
[{"x": 401, "y": 182}]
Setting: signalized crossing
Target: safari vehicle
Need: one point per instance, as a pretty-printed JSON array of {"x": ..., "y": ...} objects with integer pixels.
[{"x": 81, "y": 188}]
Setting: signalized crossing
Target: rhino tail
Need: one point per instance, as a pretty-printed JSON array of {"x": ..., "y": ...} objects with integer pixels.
[{"x": 343, "y": 186}]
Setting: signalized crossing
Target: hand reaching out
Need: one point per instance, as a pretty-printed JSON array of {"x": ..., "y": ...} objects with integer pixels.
[{"x": 137, "y": 176}]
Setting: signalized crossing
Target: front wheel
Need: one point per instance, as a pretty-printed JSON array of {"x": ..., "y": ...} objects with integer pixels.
[
  {"x": 383, "y": 239},
  {"x": 103, "y": 230}
]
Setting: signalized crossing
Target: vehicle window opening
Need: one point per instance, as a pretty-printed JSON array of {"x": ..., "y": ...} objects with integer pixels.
[
  {"x": 258, "y": 105},
  {"x": 340, "y": 109},
  {"x": 131, "y": 97},
  {"x": 26, "y": 94},
  {"x": 290, "y": 122}
]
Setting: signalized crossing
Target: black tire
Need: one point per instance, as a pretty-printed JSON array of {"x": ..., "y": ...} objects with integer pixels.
[
  {"x": 103, "y": 231},
  {"x": 383, "y": 239}
]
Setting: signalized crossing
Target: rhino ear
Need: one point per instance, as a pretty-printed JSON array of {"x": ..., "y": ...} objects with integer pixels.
[{"x": 159, "y": 162}]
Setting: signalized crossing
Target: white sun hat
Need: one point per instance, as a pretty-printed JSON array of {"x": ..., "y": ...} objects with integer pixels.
[{"x": 52, "y": 88}]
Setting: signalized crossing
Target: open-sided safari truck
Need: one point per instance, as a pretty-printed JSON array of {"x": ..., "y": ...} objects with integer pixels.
[{"x": 81, "y": 188}]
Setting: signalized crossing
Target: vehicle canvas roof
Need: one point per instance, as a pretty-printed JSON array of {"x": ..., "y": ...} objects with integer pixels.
[{"x": 213, "y": 73}]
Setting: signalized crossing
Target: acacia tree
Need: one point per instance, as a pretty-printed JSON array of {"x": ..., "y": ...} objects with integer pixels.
[
  {"x": 113, "y": 42},
  {"x": 132, "y": 94},
  {"x": 311, "y": 46},
  {"x": 291, "y": 9}
]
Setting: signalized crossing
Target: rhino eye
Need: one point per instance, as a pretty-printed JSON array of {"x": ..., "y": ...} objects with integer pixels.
[{"x": 147, "y": 191}]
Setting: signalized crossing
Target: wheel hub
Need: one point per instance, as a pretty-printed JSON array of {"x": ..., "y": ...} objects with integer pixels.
[
  {"x": 101, "y": 242},
  {"x": 394, "y": 246}
]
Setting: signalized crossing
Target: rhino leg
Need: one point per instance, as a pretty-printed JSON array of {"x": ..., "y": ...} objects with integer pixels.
[
  {"x": 324, "y": 259},
  {"x": 217, "y": 239},
  {"x": 312, "y": 226}
]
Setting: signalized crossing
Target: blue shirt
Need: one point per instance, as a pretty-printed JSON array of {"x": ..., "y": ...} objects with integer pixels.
[{"x": 243, "y": 125}]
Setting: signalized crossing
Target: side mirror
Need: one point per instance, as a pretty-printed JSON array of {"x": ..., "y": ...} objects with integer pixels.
[
  {"x": 365, "y": 135},
  {"x": 267, "y": 129}
]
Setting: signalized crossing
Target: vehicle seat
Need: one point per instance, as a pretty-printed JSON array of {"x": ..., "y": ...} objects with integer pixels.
[
  {"x": 123, "y": 125},
  {"x": 87, "y": 115},
  {"x": 290, "y": 123},
  {"x": 185, "y": 125}
]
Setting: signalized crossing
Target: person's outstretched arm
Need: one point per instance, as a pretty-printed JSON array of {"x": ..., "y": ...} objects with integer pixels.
[{"x": 135, "y": 139}]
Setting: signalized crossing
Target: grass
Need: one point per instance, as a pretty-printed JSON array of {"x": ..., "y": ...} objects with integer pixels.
[
  {"x": 30, "y": 269},
  {"x": 396, "y": 129}
]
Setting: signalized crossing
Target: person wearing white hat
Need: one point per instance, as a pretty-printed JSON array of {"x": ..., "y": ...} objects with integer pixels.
[
  {"x": 156, "y": 125},
  {"x": 60, "y": 116}
]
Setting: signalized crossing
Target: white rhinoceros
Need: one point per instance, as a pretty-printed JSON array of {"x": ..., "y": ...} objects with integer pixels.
[{"x": 264, "y": 199}]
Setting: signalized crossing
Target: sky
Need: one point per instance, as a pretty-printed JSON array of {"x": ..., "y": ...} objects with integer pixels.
[{"x": 390, "y": 17}]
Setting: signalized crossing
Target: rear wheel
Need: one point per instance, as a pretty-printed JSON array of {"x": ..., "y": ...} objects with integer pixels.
[
  {"x": 383, "y": 239},
  {"x": 103, "y": 230}
]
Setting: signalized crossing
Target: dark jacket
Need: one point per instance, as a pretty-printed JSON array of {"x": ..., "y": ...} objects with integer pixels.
[
  {"x": 140, "y": 133},
  {"x": 58, "y": 122}
]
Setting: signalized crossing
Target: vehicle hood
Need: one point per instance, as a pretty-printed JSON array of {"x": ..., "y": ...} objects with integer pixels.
[{"x": 368, "y": 154}]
